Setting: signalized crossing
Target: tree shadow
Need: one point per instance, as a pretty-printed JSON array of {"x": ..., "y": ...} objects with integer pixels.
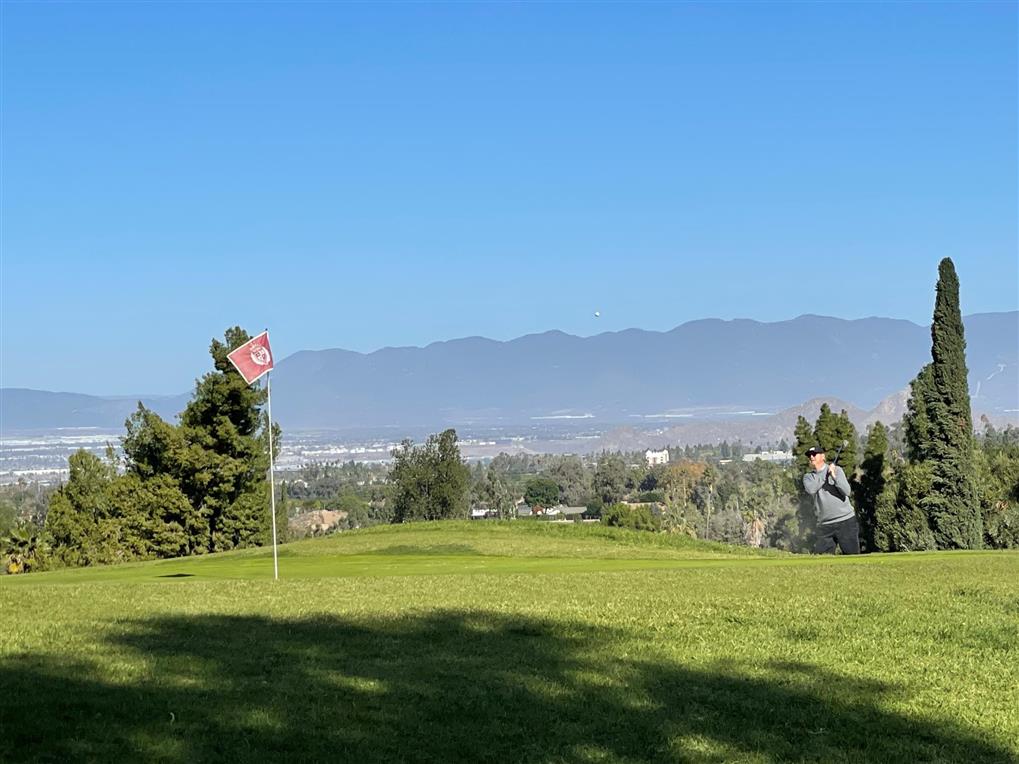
[{"x": 441, "y": 687}]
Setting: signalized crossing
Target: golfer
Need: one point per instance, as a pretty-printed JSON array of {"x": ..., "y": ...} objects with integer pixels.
[{"x": 836, "y": 520}]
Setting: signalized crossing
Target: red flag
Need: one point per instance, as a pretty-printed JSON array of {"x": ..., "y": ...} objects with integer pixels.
[{"x": 253, "y": 358}]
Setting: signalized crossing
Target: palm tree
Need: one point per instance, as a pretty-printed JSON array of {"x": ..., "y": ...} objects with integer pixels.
[{"x": 21, "y": 548}]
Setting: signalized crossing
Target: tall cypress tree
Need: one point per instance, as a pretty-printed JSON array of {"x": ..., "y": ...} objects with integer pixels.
[
  {"x": 917, "y": 421},
  {"x": 952, "y": 505}
]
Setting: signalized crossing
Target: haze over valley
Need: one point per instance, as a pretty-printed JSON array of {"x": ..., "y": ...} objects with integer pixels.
[{"x": 703, "y": 382}]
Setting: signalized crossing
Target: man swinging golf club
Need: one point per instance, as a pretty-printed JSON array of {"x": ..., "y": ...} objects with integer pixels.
[{"x": 836, "y": 520}]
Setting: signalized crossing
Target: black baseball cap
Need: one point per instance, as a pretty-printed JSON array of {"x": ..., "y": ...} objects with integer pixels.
[{"x": 814, "y": 451}]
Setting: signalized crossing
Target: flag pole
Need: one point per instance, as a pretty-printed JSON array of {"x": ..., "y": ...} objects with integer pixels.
[{"x": 272, "y": 479}]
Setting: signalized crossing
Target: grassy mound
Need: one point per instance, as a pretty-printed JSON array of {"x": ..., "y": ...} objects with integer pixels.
[
  {"x": 434, "y": 548},
  {"x": 696, "y": 653}
]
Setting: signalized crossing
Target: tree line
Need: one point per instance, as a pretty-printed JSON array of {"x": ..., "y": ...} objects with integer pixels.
[
  {"x": 945, "y": 487},
  {"x": 929, "y": 481},
  {"x": 193, "y": 487},
  {"x": 201, "y": 485}
]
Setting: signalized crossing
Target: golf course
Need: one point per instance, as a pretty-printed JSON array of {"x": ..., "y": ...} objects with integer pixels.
[{"x": 517, "y": 641}]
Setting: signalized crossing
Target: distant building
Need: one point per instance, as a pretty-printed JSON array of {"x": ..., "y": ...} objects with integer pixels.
[
  {"x": 562, "y": 509},
  {"x": 655, "y": 458},
  {"x": 770, "y": 456},
  {"x": 559, "y": 510}
]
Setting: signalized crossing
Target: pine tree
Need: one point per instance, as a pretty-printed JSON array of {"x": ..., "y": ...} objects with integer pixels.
[
  {"x": 826, "y": 430},
  {"x": 872, "y": 483},
  {"x": 845, "y": 432},
  {"x": 217, "y": 458},
  {"x": 224, "y": 469},
  {"x": 804, "y": 435},
  {"x": 885, "y": 509},
  {"x": 952, "y": 506},
  {"x": 77, "y": 523},
  {"x": 806, "y": 520}
]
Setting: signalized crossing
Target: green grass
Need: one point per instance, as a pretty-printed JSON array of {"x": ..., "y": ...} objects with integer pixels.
[{"x": 514, "y": 642}]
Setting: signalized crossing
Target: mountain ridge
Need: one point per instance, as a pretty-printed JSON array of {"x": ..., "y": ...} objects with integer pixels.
[{"x": 611, "y": 377}]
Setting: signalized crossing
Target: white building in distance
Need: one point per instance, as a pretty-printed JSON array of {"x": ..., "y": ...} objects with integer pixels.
[
  {"x": 769, "y": 456},
  {"x": 655, "y": 458}
]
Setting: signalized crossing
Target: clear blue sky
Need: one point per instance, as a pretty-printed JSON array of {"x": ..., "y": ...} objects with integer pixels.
[{"x": 363, "y": 175}]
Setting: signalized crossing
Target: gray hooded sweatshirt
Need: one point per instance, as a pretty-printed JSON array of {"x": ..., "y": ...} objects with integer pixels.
[{"x": 828, "y": 507}]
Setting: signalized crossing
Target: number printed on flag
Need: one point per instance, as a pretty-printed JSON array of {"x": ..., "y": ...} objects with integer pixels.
[{"x": 253, "y": 358}]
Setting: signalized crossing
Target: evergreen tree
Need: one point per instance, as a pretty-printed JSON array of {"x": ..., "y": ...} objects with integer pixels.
[
  {"x": 916, "y": 422},
  {"x": 224, "y": 467},
  {"x": 196, "y": 487},
  {"x": 431, "y": 482},
  {"x": 218, "y": 457},
  {"x": 827, "y": 431},
  {"x": 79, "y": 523},
  {"x": 152, "y": 515},
  {"x": 952, "y": 505},
  {"x": 152, "y": 446},
  {"x": 872, "y": 483},
  {"x": 998, "y": 484},
  {"x": 845, "y": 432},
  {"x": 804, "y": 435},
  {"x": 610, "y": 478},
  {"x": 901, "y": 518},
  {"x": 801, "y": 537}
]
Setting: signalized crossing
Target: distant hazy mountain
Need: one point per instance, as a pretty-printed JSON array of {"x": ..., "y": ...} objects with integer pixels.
[
  {"x": 634, "y": 375},
  {"x": 22, "y": 409},
  {"x": 630, "y": 376}
]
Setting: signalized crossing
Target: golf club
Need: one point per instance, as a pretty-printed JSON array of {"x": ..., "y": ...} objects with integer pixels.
[
  {"x": 830, "y": 487},
  {"x": 839, "y": 452}
]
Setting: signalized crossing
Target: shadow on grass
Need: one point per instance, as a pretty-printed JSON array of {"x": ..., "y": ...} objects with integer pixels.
[{"x": 445, "y": 687}]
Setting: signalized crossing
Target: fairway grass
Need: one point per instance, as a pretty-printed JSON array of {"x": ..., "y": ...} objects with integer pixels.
[{"x": 514, "y": 642}]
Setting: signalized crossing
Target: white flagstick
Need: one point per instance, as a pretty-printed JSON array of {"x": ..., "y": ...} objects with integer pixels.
[{"x": 272, "y": 479}]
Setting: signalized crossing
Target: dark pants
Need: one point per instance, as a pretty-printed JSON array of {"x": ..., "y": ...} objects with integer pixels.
[{"x": 845, "y": 534}]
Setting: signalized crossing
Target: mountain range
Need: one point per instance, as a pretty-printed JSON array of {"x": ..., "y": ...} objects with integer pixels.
[{"x": 633, "y": 376}]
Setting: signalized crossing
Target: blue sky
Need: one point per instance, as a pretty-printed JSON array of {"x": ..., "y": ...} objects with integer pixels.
[{"x": 363, "y": 175}]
